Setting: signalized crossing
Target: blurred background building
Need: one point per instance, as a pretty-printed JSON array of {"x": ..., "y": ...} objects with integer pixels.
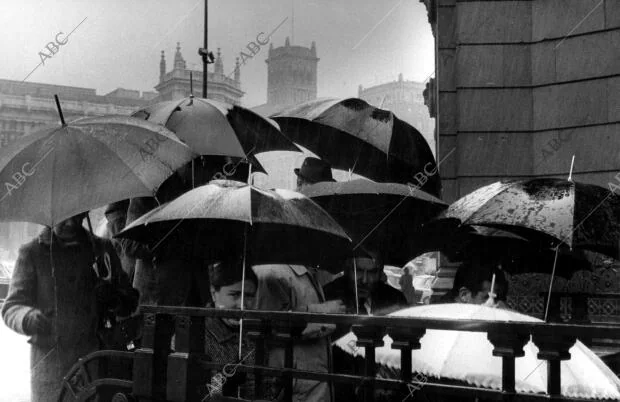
[
  {"x": 291, "y": 76},
  {"x": 27, "y": 106}
]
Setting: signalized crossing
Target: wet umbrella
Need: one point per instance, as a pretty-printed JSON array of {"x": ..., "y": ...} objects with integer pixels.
[
  {"x": 383, "y": 216},
  {"x": 468, "y": 356},
  {"x": 61, "y": 171},
  {"x": 372, "y": 142},
  {"x": 574, "y": 214},
  {"x": 527, "y": 251},
  {"x": 232, "y": 218},
  {"x": 282, "y": 225},
  {"x": 215, "y": 128}
]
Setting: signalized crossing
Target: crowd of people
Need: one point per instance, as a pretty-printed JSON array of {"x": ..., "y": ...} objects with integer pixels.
[{"x": 69, "y": 286}]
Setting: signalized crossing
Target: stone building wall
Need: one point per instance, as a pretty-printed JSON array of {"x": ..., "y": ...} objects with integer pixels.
[{"x": 523, "y": 86}]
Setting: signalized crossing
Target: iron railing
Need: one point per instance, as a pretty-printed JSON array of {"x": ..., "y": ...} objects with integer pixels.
[{"x": 182, "y": 375}]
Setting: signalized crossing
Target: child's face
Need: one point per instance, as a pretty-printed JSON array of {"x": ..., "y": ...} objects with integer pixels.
[{"x": 229, "y": 297}]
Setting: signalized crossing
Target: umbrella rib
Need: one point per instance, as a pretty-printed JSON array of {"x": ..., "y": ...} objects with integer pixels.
[{"x": 171, "y": 113}]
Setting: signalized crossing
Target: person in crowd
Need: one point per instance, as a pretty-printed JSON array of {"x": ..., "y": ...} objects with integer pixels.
[
  {"x": 406, "y": 285},
  {"x": 472, "y": 285},
  {"x": 374, "y": 295},
  {"x": 295, "y": 288},
  {"x": 66, "y": 282},
  {"x": 222, "y": 334},
  {"x": 167, "y": 272},
  {"x": 313, "y": 170},
  {"x": 116, "y": 217},
  {"x": 173, "y": 272}
]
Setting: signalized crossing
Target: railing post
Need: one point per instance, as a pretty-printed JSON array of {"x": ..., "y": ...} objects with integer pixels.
[
  {"x": 369, "y": 337},
  {"x": 406, "y": 339},
  {"x": 150, "y": 359},
  {"x": 185, "y": 380},
  {"x": 286, "y": 333},
  {"x": 508, "y": 344},
  {"x": 553, "y": 348},
  {"x": 258, "y": 331}
]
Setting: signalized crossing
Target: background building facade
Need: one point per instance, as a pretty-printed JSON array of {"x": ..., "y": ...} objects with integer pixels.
[{"x": 26, "y": 107}]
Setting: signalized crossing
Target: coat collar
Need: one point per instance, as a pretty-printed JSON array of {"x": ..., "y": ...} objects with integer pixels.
[{"x": 220, "y": 331}]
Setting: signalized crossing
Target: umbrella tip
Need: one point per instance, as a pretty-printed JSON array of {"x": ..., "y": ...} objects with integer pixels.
[
  {"x": 570, "y": 174},
  {"x": 62, "y": 118}
]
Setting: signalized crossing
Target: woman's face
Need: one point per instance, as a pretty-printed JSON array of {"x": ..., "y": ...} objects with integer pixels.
[{"x": 229, "y": 297}]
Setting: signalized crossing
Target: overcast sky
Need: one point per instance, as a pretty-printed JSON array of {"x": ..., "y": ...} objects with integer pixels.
[{"x": 118, "y": 44}]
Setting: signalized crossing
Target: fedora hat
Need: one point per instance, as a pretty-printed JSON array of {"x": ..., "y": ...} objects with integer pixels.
[{"x": 315, "y": 170}]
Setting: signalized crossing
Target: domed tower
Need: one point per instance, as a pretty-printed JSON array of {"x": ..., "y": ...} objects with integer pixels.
[{"x": 291, "y": 74}]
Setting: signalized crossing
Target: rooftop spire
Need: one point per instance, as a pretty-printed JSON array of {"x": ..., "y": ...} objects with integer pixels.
[
  {"x": 237, "y": 68},
  {"x": 179, "y": 62},
  {"x": 162, "y": 66},
  {"x": 219, "y": 66}
]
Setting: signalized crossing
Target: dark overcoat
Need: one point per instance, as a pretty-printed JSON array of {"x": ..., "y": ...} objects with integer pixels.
[{"x": 69, "y": 300}]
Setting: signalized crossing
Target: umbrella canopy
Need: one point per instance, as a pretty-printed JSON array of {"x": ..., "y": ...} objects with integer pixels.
[
  {"x": 283, "y": 226},
  {"x": 210, "y": 127},
  {"x": 383, "y": 216},
  {"x": 59, "y": 172},
  {"x": 467, "y": 356},
  {"x": 575, "y": 214},
  {"x": 353, "y": 135}
]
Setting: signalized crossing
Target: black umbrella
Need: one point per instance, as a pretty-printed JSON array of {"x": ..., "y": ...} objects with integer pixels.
[
  {"x": 372, "y": 142},
  {"x": 229, "y": 218},
  {"x": 215, "y": 128},
  {"x": 525, "y": 252},
  {"x": 574, "y": 214},
  {"x": 383, "y": 216}
]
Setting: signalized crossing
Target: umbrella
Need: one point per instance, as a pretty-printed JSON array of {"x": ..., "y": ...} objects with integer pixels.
[
  {"x": 467, "y": 356},
  {"x": 372, "y": 142},
  {"x": 59, "y": 172},
  {"x": 282, "y": 225},
  {"x": 384, "y": 216},
  {"x": 574, "y": 214},
  {"x": 233, "y": 218},
  {"x": 210, "y": 127},
  {"x": 527, "y": 251}
]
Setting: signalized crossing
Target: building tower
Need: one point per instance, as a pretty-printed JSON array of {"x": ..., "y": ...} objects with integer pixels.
[
  {"x": 291, "y": 74},
  {"x": 175, "y": 84}
]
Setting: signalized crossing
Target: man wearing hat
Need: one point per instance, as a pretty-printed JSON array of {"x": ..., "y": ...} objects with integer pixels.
[{"x": 313, "y": 170}]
